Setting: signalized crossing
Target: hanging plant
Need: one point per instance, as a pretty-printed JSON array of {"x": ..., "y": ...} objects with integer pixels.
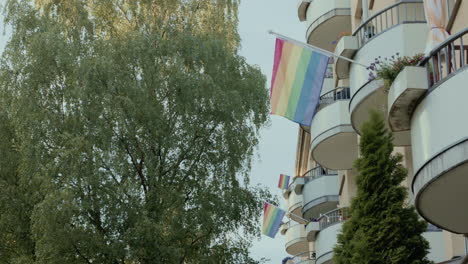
[{"x": 388, "y": 68}]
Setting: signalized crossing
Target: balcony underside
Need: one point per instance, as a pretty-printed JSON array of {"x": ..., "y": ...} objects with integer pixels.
[
  {"x": 302, "y": 10},
  {"x": 407, "y": 89},
  {"x": 336, "y": 148},
  {"x": 325, "y": 34},
  {"x": 346, "y": 47},
  {"x": 373, "y": 97},
  {"x": 441, "y": 187},
  {"x": 440, "y": 153},
  {"x": 314, "y": 208},
  {"x": 312, "y": 230},
  {"x": 297, "y": 246},
  {"x": 296, "y": 213}
]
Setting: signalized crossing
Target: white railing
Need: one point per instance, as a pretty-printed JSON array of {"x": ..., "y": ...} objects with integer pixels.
[
  {"x": 403, "y": 12},
  {"x": 317, "y": 172},
  {"x": 337, "y": 94},
  {"x": 335, "y": 216},
  {"x": 447, "y": 58}
]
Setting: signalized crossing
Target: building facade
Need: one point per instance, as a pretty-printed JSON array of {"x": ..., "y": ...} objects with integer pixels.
[{"x": 425, "y": 108}]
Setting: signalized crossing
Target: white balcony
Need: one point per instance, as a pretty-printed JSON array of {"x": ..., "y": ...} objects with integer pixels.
[
  {"x": 326, "y": 20},
  {"x": 326, "y": 241},
  {"x": 409, "y": 86},
  {"x": 321, "y": 194},
  {"x": 312, "y": 230},
  {"x": 330, "y": 226},
  {"x": 302, "y": 7},
  {"x": 333, "y": 140},
  {"x": 439, "y": 135},
  {"x": 296, "y": 241},
  {"x": 400, "y": 28},
  {"x": 346, "y": 47},
  {"x": 295, "y": 207},
  {"x": 295, "y": 186}
]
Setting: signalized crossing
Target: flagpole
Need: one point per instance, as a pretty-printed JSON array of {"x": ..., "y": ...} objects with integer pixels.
[{"x": 324, "y": 52}]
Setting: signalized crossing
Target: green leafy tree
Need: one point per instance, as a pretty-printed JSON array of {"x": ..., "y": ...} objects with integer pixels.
[
  {"x": 382, "y": 227},
  {"x": 127, "y": 132}
]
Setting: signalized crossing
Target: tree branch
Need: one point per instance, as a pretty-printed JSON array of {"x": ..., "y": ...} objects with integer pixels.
[{"x": 81, "y": 255}]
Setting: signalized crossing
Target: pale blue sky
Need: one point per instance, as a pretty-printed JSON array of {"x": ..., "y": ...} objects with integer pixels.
[{"x": 277, "y": 149}]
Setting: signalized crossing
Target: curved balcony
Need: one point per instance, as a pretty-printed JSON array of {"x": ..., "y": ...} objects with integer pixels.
[
  {"x": 403, "y": 12},
  {"x": 295, "y": 186},
  {"x": 440, "y": 139},
  {"x": 400, "y": 28},
  {"x": 302, "y": 9},
  {"x": 321, "y": 192},
  {"x": 407, "y": 89},
  {"x": 312, "y": 230},
  {"x": 328, "y": 19},
  {"x": 295, "y": 206},
  {"x": 330, "y": 226},
  {"x": 296, "y": 241},
  {"x": 372, "y": 96},
  {"x": 333, "y": 140},
  {"x": 346, "y": 47}
]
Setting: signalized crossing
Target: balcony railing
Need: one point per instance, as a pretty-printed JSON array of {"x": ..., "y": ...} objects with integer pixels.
[
  {"x": 318, "y": 172},
  {"x": 294, "y": 201},
  {"x": 403, "y": 12},
  {"x": 303, "y": 257},
  {"x": 326, "y": 16},
  {"x": 335, "y": 216},
  {"x": 447, "y": 59},
  {"x": 337, "y": 94}
]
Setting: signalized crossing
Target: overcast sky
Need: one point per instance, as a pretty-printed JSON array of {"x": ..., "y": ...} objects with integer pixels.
[{"x": 277, "y": 148}]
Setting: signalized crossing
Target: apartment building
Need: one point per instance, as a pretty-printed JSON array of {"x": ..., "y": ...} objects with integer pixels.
[{"x": 425, "y": 108}]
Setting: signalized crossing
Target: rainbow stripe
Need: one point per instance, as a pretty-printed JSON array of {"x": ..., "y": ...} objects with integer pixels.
[
  {"x": 272, "y": 219},
  {"x": 297, "y": 80},
  {"x": 283, "y": 181}
]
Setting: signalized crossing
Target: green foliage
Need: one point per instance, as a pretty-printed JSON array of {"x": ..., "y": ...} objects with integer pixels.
[
  {"x": 382, "y": 228},
  {"x": 387, "y": 69},
  {"x": 127, "y": 131}
]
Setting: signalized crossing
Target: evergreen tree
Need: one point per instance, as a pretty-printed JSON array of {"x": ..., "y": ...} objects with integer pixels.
[
  {"x": 127, "y": 129},
  {"x": 382, "y": 228}
]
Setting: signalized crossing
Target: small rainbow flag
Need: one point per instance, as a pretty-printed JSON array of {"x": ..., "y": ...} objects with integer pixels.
[
  {"x": 283, "y": 181},
  {"x": 272, "y": 219},
  {"x": 297, "y": 80}
]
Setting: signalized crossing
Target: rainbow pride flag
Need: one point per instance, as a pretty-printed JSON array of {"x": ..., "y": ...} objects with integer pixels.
[
  {"x": 283, "y": 181},
  {"x": 272, "y": 219},
  {"x": 297, "y": 80}
]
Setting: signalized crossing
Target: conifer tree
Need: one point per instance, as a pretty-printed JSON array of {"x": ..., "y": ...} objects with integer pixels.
[{"x": 382, "y": 228}]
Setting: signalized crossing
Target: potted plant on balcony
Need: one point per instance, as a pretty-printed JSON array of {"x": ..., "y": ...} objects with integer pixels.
[{"x": 388, "y": 68}]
